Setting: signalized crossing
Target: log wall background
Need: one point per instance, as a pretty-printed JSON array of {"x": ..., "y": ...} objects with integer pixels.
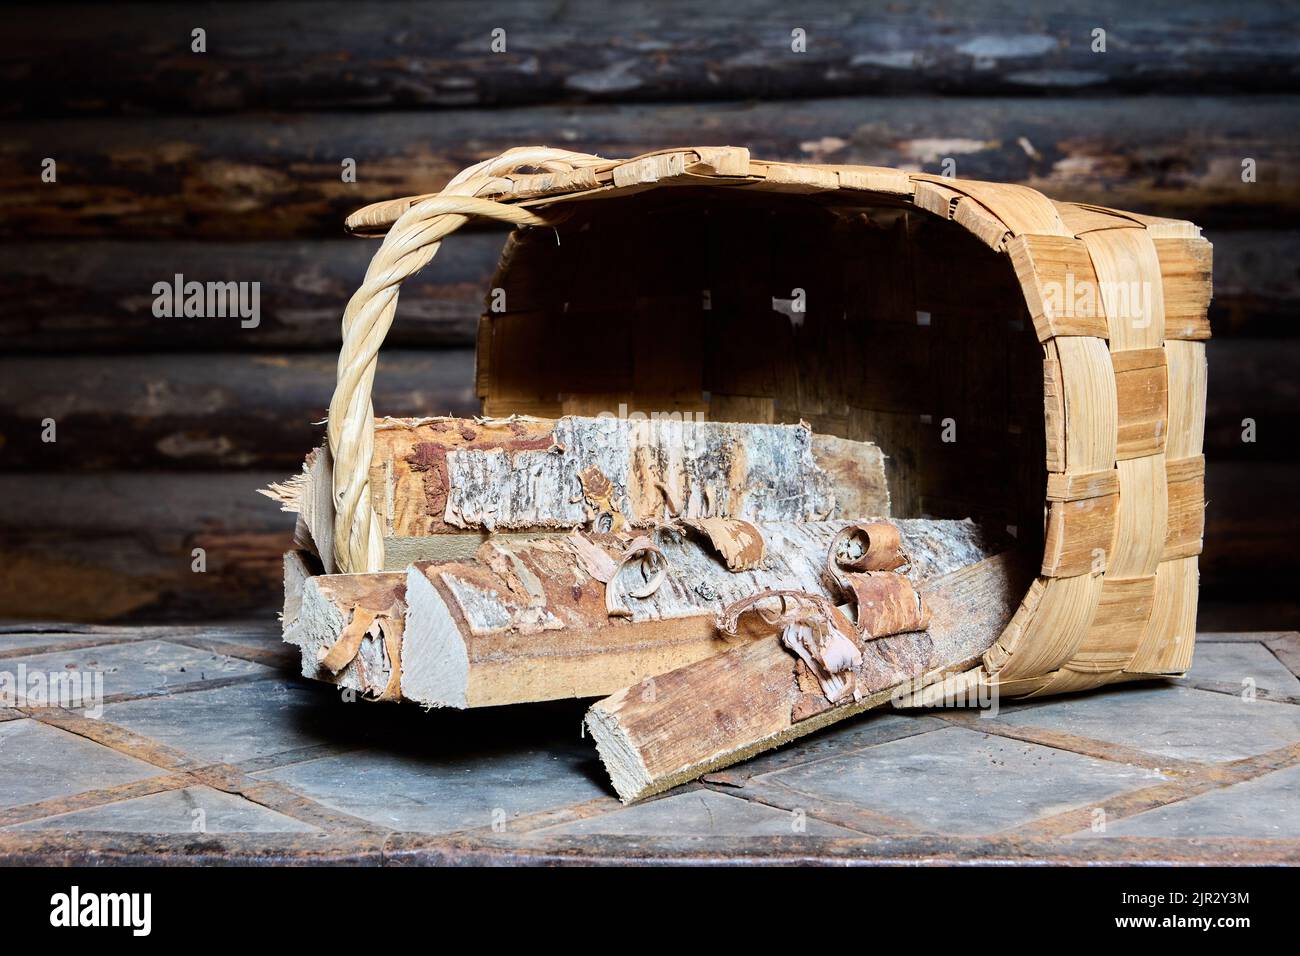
[{"x": 225, "y": 166}]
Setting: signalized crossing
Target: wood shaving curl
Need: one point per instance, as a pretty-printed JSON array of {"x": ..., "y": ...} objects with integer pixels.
[
  {"x": 653, "y": 566},
  {"x": 810, "y": 626}
]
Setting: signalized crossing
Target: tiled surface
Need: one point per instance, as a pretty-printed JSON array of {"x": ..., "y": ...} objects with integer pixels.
[
  {"x": 36, "y": 641},
  {"x": 439, "y": 793},
  {"x": 137, "y": 666},
  {"x": 192, "y": 810},
  {"x": 1265, "y": 808},
  {"x": 871, "y": 728},
  {"x": 300, "y": 764},
  {"x": 961, "y": 781},
  {"x": 1237, "y": 663},
  {"x": 42, "y": 762},
  {"x": 1179, "y": 722},
  {"x": 230, "y": 724}
]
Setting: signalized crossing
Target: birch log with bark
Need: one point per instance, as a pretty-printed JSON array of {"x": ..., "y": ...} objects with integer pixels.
[
  {"x": 674, "y": 727},
  {"x": 331, "y": 610},
  {"x": 441, "y": 486},
  {"x": 529, "y": 621}
]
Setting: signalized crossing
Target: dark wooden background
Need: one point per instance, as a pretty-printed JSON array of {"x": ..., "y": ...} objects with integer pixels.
[{"x": 226, "y": 165}]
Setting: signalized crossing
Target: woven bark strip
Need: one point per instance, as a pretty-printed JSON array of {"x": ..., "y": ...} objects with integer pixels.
[
  {"x": 1186, "y": 498},
  {"x": 1142, "y": 402}
]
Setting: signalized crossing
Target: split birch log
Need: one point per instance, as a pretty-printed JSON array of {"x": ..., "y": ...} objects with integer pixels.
[
  {"x": 441, "y": 486},
  {"x": 674, "y": 727},
  {"x": 348, "y": 627},
  {"x": 299, "y": 566},
  {"x": 529, "y": 621}
]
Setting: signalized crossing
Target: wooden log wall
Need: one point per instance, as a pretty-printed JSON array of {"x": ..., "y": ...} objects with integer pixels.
[{"x": 227, "y": 166}]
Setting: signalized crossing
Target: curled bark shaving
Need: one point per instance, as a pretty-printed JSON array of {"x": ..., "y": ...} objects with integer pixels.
[
  {"x": 739, "y": 542},
  {"x": 815, "y": 643},
  {"x": 653, "y": 565},
  {"x": 811, "y": 627},
  {"x": 605, "y": 568},
  {"x": 870, "y": 546},
  {"x": 349, "y": 643},
  {"x": 887, "y": 603},
  {"x": 862, "y": 562},
  {"x": 393, "y": 628}
]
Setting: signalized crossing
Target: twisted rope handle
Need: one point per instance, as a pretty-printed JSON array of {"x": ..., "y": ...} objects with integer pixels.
[{"x": 412, "y": 241}]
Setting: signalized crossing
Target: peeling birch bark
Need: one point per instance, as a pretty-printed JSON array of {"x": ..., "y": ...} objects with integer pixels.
[
  {"x": 442, "y": 485},
  {"x": 528, "y": 621},
  {"x": 739, "y": 542},
  {"x": 887, "y": 603},
  {"x": 674, "y": 727},
  {"x": 329, "y": 603}
]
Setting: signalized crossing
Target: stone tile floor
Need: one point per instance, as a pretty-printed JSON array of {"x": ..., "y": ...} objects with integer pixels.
[{"x": 202, "y": 744}]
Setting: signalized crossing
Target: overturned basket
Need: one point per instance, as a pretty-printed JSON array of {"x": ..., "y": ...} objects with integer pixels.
[{"x": 1038, "y": 366}]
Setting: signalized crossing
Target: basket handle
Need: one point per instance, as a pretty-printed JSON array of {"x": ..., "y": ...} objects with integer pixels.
[{"x": 411, "y": 242}]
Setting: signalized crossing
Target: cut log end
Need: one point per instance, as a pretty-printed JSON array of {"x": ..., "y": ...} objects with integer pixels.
[
  {"x": 299, "y": 566},
  {"x": 627, "y": 771},
  {"x": 435, "y": 662},
  {"x": 318, "y": 611}
]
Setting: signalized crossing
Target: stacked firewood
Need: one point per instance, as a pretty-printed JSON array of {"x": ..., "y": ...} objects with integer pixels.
[{"x": 723, "y": 587}]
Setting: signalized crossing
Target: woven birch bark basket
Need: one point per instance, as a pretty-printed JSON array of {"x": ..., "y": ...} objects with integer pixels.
[{"x": 1034, "y": 364}]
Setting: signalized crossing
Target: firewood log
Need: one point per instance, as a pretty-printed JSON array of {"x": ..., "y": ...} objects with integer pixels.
[
  {"x": 531, "y": 620},
  {"x": 674, "y": 727},
  {"x": 443, "y": 485}
]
